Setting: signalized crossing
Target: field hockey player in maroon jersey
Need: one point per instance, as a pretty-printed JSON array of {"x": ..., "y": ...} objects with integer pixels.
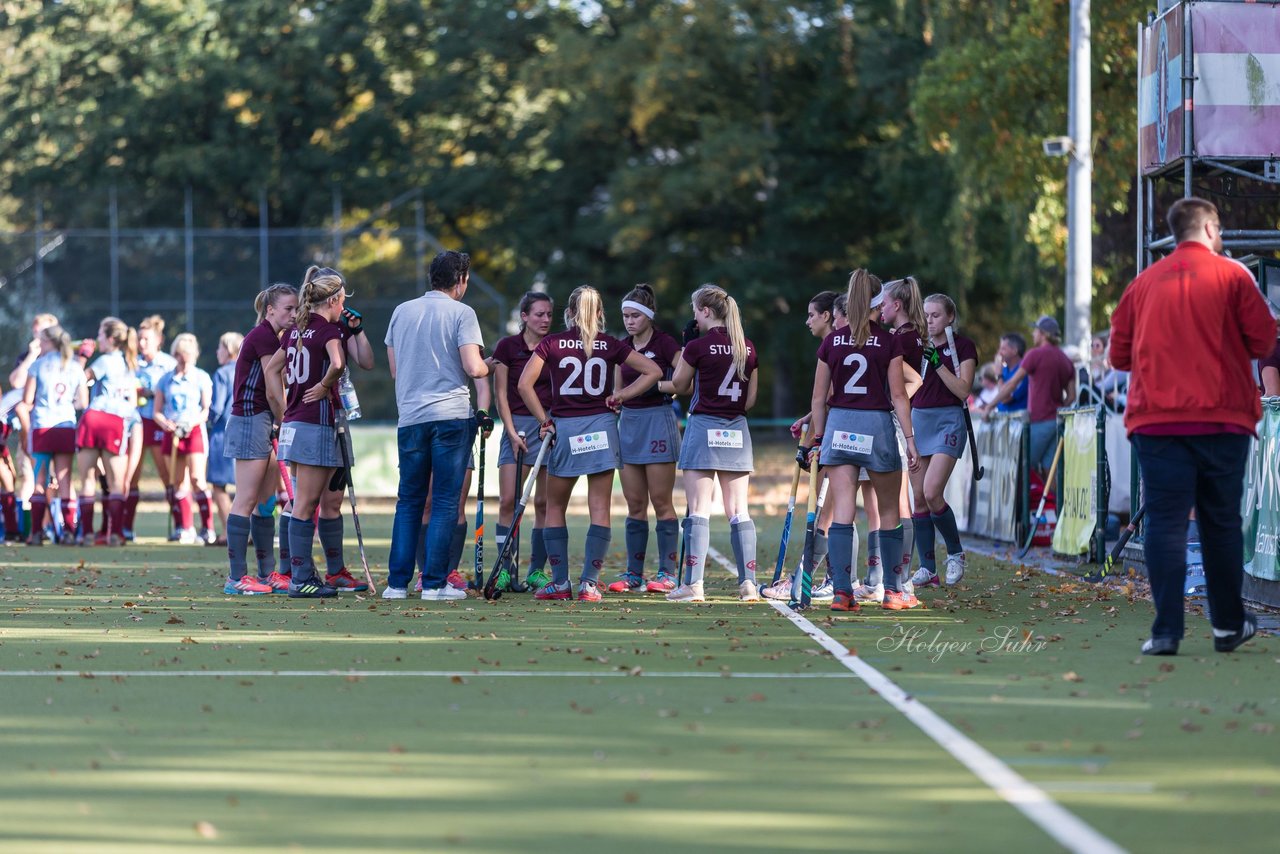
[
  {"x": 509, "y": 358},
  {"x": 937, "y": 413},
  {"x": 719, "y": 368},
  {"x": 306, "y": 370},
  {"x": 580, "y": 362},
  {"x": 858, "y": 385},
  {"x": 649, "y": 433}
]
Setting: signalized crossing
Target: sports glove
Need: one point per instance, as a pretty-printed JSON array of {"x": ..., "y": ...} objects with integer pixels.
[
  {"x": 339, "y": 481},
  {"x": 932, "y": 355},
  {"x": 803, "y": 453},
  {"x": 86, "y": 348},
  {"x": 352, "y": 319},
  {"x": 484, "y": 421},
  {"x": 690, "y": 333},
  {"x": 275, "y": 432}
]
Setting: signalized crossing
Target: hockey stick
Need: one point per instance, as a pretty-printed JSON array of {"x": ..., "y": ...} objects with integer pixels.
[
  {"x": 1044, "y": 496},
  {"x": 791, "y": 510},
  {"x": 1125, "y": 536},
  {"x": 477, "y": 583},
  {"x": 491, "y": 590},
  {"x": 513, "y": 566},
  {"x": 171, "y": 489},
  {"x": 344, "y": 447},
  {"x": 978, "y": 470},
  {"x": 284, "y": 471},
  {"x": 802, "y": 589}
]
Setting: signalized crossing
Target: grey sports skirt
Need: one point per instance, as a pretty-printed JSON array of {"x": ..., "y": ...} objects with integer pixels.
[
  {"x": 248, "y": 437},
  {"x": 861, "y": 437},
  {"x": 530, "y": 426},
  {"x": 309, "y": 444},
  {"x": 716, "y": 444},
  {"x": 649, "y": 435},
  {"x": 939, "y": 430},
  {"x": 585, "y": 444}
]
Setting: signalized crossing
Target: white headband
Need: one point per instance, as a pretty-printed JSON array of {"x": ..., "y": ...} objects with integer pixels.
[
  {"x": 877, "y": 300},
  {"x": 635, "y": 306}
]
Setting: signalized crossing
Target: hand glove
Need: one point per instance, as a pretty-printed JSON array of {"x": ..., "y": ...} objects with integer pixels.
[
  {"x": 690, "y": 333},
  {"x": 352, "y": 319},
  {"x": 932, "y": 355},
  {"x": 802, "y": 457},
  {"x": 339, "y": 481},
  {"x": 275, "y": 432},
  {"x": 484, "y": 421},
  {"x": 86, "y": 348}
]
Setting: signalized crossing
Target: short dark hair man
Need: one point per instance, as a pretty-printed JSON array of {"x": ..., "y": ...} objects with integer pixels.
[
  {"x": 1053, "y": 384},
  {"x": 1012, "y": 348},
  {"x": 1186, "y": 329}
]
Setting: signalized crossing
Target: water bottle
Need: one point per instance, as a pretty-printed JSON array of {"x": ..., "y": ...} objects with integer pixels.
[{"x": 347, "y": 394}]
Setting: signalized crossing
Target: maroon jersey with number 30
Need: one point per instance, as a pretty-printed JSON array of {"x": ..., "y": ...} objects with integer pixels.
[
  {"x": 579, "y": 383},
  {"x": 306, "y": 363},
  {"x": 718, "y": 390},
  {"x": 860, "y": 375}
]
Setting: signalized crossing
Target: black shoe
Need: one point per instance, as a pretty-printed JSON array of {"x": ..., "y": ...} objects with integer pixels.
[
  {"x": 311, "y": 588},
  {"x": 1160, "y": 646},
  {"x": 1233, "y": 640}
]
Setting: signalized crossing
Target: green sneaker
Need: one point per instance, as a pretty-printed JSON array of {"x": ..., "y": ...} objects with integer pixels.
[{"x": 538, "y": 579}]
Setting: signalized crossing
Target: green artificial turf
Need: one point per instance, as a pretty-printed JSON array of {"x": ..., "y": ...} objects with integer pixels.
[{"x": 605, "y": 737}]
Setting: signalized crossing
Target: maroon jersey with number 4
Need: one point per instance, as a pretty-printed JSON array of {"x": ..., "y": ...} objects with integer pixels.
[
  {"x": 306, "y": 363},
  {"x": 860, "y": 375},
  {"x": 579, "y": 383},
  {"x": 718, "y": 390},
  {"x": 249, "y": 394},
  {"x": 933, "y": 392},
  {"x": 662, "y": 348},
  {"x": 512, "y": 352}
]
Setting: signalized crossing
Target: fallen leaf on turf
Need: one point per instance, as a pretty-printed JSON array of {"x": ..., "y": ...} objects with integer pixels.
[
  {"x": 395, "y": 748},
  {"x": 756, "y": 698},
  {"x": 457, "y": 680},
  {"x": 1188, "y": 726},
  {"x": 1166, "y": 668},
  {"x": 630, "y": 797},
  {"x": 1263, "y": 729},
  {"x": 1072, "y": 676},
  {"x": 189, "y": 640},
  {"x": 206, "y": 830}
]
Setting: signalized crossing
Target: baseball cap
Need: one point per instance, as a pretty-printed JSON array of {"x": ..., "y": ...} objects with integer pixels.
[{"x": 1048, "y": 325}]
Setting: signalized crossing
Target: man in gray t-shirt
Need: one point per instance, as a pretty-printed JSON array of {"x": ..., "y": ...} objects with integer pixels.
[{"x": 433, "y": 347}]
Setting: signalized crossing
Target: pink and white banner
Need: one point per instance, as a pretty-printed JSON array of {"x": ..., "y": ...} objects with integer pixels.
[
  {"x": 1237, "y": 87},
  {"x": 1160, "y": 107}
]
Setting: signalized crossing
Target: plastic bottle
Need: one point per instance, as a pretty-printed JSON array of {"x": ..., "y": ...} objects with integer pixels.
[{"x": 347, "y": 394}]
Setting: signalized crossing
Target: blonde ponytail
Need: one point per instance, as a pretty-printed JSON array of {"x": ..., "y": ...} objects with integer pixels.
[
  {"x": 125, "y": 338},
  {"x": 725, "y": 308},
  {"x": 61, "y": 341},
  {"x": 319, "y": 285},
  {"x": 907, "y": 291},
  {"x": 585, "y": 311},
  {"x": 862, "y": 287}
]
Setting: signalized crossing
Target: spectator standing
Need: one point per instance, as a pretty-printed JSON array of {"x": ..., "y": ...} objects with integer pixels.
[
  {"x": 1053, "y": 384},
  {"x": 1186, "y": 330}
]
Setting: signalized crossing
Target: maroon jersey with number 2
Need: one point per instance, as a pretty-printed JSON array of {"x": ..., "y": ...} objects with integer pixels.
[
  {"x": 718, "y": 390},
  {"x": 579, "y": 383},
  {"x": 860, "y": 375},
  {"x": 306, "y": 363}
]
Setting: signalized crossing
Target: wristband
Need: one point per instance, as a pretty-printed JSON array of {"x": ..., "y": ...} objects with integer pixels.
[
  {"x": 912, "y": 436},
  {"x": 548, "y": 423}
]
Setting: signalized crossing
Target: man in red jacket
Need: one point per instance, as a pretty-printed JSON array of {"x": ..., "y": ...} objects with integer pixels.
[{"x": 1186, "y": 329}]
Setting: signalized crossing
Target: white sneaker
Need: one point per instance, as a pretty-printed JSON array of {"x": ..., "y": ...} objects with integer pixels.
[
  {"x": 824, "y": 592},
  {"x": 909, "y": 587},
  {"x": 924, "y": 578},
  {"x": 441, "y": 593},
  {"x": 748, "y": 592},
  {"x": 687, "y": 593},
  {"x": 780, "y": 591},
  {"x": 394, "y": 593},
  {"x": 207, "y": 536},
  {"x": 955, "y": 568},
  {"x": 187, "y": 536},
  {"x": 867, "y": 593}
]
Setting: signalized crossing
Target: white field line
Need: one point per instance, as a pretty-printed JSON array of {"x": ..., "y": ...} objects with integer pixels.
[
  {"x": 1032, "y": 801},
  {"x": 421, "y": 674}
]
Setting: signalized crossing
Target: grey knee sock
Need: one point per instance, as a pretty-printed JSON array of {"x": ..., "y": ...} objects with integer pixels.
[
  {"x": 237, "y": 545},
  {"x": 263, "y": 531},
  {"x": 557, "y": 542},
  {"x": 891, "y": 556},
  {"x": 637, "y": 545},
  {"x": 924, "y": 541},
  {"x": 945, "y": 524},
  {"x": 301, "y": 533},
  {"x": 456, "y": 545},
  {"x": 537, "y": 549},
  {"x": 500, "y": 538},
  {"x": 286, "y": 565},
  {"x": 742, "y": 539},
  {"x": 331, "y": 542},
  {"x": 699, "y": 543},
  {"x": 668, "y": 545},
  {"x": 820, "y": 550},
  {"x": 875, "y": 567},
  {"x": 598, "y": 538},
  {"x": 844, "y": 555}
]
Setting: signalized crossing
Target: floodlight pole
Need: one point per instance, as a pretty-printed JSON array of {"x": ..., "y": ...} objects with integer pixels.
[{"x": 1079, "y": 302}]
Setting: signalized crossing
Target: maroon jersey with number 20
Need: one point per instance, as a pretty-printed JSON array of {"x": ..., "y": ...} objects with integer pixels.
[
  {"x": 580, "y": 384},
  {"x": 306, "y": 363},
  {"x": 860, "y": 375},
  {"x": 718, "y": 390}
]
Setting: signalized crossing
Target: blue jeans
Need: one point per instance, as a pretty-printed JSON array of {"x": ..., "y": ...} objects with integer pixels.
[
  {"x": 1207, "y": 473},
  {"x": 436, "y": 448},
  {"x": 1044, "y": 444}
]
